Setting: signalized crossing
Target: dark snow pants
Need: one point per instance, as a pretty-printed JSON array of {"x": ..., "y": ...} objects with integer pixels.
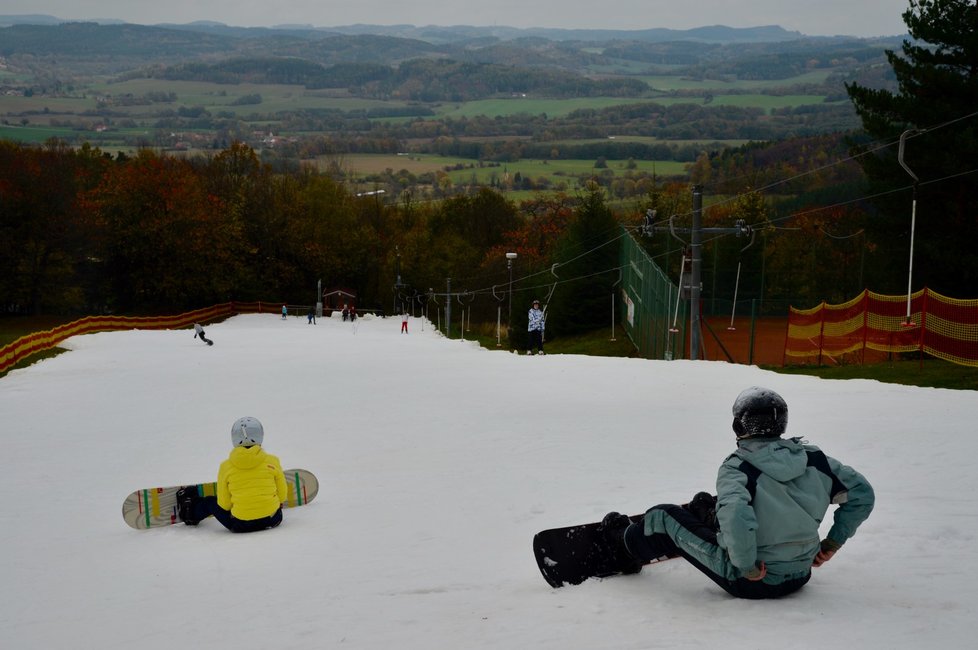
[
  {"x": 208, "y": 506},
  {"x": 670, "y": 530},
  {"x": 536, "y": 340}
]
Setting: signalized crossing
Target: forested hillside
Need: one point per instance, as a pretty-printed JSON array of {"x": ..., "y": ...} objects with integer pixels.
[{"x": 263, "y": 160}]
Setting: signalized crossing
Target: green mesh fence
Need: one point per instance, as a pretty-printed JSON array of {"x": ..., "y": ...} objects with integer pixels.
[{"x": 649, "y": 306}]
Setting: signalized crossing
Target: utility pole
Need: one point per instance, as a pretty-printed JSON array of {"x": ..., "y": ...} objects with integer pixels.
[
  {"x": 448, "y": 309},
  {"x": 696, "y": 260},
  {"x": 695, "y": 277},
  {"x": 509, "y": 264},
  {"x": 319, "y": 299},
  {"x": 398, "y": 285}
]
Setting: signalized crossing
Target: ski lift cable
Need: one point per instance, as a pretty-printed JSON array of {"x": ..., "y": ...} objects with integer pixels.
[
  {"x": 770, "y": 222},
  {"x": 873, "y": 148}
]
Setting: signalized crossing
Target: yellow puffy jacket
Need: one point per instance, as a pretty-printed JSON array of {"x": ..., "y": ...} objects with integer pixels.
[{"x": 251, "y": 484}]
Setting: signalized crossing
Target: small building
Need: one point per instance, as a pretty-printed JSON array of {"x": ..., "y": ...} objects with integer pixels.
[{"x": 336, "y": 299}]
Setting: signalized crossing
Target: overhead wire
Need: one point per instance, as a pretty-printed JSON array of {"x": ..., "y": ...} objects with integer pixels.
[{"x": 872, "y": 149}]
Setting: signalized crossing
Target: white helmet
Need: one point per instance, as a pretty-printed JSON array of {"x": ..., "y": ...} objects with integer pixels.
[{"x": 246, "y": 432}]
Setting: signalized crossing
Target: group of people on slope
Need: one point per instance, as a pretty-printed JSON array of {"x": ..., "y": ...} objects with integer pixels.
[{"x": 758, "y": 537}]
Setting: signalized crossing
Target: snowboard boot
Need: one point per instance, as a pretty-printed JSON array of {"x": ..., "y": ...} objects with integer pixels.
[
  {"x": 186, "y": 499},
  {"x": 703, "y": 506},
  {"x": 611, "y": 544}
]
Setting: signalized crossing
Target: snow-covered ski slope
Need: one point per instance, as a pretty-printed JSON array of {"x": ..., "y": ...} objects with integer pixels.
[{"x": 438, "y": 462}]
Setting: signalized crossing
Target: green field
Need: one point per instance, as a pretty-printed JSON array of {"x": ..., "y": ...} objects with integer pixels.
[
  {"x": 765, "y": 102},
  {"x": 648, "y": 139},
  {"x": 277, "y": 98},
  {"x": 45, "y": 106},
  {"x": 364, "y": 165},
  {"x": 212, "y": 96},
  {"x": 33, "y": 134},
  {"x": 563, "y": 107},
  {"x": 221, "y": 97},
  {"x": 562, "y": 169},
  {"x": 669, "y": 83},
  {"x": 531, "y": 106}
]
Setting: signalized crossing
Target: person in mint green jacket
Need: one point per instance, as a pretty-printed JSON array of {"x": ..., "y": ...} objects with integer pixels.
[{"x": 759, "y": 537}]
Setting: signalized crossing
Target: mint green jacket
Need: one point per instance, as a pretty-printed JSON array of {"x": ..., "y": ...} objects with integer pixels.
[{"x": 772, "y": 495}]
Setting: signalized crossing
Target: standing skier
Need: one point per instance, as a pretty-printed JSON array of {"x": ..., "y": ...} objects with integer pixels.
[
  {"x": 250, "y": 486},
  {"x": 404, "y": 323},
  {"x": 537, "y": 322},
  {"x": 758, "y": 538}
]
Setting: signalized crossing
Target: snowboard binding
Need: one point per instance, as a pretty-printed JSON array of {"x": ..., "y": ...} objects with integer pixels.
[
  {"x": 186, "y": 500},
  {"x": 610, "y": 546}
]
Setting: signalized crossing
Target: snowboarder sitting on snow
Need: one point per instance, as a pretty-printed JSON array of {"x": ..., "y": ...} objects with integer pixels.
[
  {"x": 762, "y": 539},
  {"x": 250, "y": 486},
  {"x": 535, "y": 326}
]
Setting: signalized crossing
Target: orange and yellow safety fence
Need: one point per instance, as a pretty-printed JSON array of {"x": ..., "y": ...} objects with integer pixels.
[
  {"x": 946, "y": 328},
  {"x": 25, "y": 346}
]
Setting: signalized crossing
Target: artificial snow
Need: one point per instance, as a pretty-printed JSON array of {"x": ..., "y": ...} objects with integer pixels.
[{"x": 438, "y": 461}]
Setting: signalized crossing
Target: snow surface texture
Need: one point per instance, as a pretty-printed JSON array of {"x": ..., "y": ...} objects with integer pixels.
[{"x": 438, "y": 462}]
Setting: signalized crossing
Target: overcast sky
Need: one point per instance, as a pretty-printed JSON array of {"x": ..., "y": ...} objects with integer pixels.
[{"x": 813, "y": 17}]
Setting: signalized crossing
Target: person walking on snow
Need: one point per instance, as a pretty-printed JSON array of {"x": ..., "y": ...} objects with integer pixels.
[
  {"x": 285, "y": 312},
  {"x": 536, "y": 325},
  {"x": 759, "y": 537},
  {"x": 251, "y": 486},
  {"x": 404, "y": 323}
]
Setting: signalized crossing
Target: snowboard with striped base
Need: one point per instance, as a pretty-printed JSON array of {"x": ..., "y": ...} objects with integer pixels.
[{"x": 157, "y": 507}]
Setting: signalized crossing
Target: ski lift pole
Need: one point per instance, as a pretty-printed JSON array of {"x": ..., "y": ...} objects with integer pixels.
[
  {"x": 679, "y": 292},
  {"x": 733, "y": 306},
  {"x": 617, "y": 282},
  {"x": 462, "y": 324},
  {"x": 740, "y": 259},
  {"x": 499, "y": 316},
  {"x": 448, "y": 309},
  {"x": 913, "y": 217}
]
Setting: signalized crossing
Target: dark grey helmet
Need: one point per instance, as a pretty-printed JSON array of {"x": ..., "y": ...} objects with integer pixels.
[{"x": 759, "y": 413}]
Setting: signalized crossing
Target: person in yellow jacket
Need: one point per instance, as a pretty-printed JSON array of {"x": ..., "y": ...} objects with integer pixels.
[{"x": 250, "y": 486}]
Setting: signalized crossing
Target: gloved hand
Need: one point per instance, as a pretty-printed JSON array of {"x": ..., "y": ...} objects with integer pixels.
[
  {"x": 757, "y": 573},
  {"x": 827, "y": 549}
]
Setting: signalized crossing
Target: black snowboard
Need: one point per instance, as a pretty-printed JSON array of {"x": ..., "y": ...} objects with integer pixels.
[{"x": 571, "y": 556}]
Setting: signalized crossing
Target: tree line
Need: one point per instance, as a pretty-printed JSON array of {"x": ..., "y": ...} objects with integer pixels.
[
  {"x": 81, "y": 231},
  {"x": 84, "y": 232},
  {"x": 421, "y": 79}
]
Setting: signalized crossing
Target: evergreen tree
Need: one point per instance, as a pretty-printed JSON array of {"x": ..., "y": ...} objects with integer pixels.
[
  {"x": 937, "y": 74},
  {"x": 588, "y": 257}
]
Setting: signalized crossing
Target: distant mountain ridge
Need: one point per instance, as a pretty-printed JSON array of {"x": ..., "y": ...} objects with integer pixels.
[{"x": 454, "y": 33}]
